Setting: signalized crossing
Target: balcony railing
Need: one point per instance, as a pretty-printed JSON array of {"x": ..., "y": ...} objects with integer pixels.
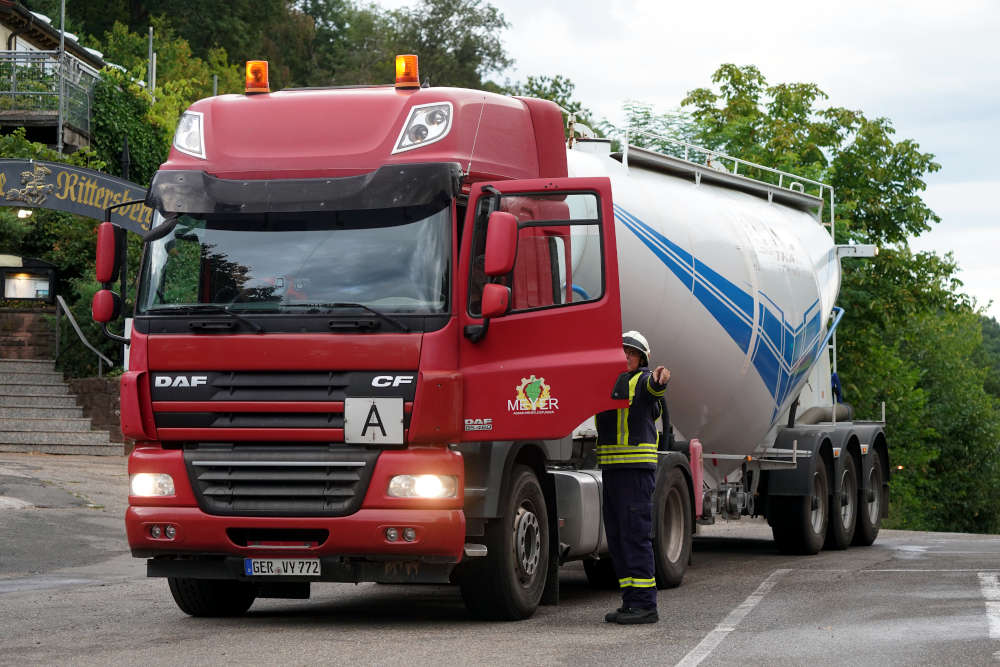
[{"x": 34, "y": 82}]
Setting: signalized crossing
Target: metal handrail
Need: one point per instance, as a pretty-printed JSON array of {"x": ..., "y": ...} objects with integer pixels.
[
  {"x": 101, "y": 359},
  {"x": 795, "y": 182}
]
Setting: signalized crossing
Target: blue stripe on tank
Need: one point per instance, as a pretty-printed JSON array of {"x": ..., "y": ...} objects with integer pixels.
[{"x": 783, "y": 353}]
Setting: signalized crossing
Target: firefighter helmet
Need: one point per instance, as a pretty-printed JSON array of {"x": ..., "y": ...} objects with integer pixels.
[{"x": 637, "y": 341}]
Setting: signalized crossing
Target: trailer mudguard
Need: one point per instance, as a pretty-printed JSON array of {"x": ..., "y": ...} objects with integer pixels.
[{"x": 797, "y": 481}]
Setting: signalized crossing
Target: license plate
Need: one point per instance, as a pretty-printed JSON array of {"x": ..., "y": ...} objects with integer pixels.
[
  {"x": 281, "y": 567},
  {"x": 373, "y": 421}
]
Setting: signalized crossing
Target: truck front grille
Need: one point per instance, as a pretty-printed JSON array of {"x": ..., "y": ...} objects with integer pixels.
[
  {"x": 279, "y": 480},
  {"x": 267, "y": 406}
]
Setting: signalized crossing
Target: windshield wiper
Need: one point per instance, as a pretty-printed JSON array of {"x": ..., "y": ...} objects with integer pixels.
[
  {"x": 209, "y": 308},
  {"x": 331, "y": 306}
]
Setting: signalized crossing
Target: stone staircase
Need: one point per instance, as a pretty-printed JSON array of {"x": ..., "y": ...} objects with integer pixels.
[{"x": 39, "y": 414}]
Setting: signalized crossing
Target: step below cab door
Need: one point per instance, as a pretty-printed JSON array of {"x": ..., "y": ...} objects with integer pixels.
[{"x": 539, "y": 307}]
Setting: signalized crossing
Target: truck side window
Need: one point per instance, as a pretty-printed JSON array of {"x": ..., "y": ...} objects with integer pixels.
[{"x": 559, "y": 258}]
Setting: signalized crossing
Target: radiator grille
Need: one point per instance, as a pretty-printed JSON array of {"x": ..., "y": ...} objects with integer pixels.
[{"x": 278, "y": 479}]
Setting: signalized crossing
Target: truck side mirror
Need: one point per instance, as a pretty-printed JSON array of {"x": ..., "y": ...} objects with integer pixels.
[
  {"x": 496, "y": 300},
  {"x": 106, "y": 306},
  {"x": 108, "y": 261},
  {"x": 501, "y": 244}
]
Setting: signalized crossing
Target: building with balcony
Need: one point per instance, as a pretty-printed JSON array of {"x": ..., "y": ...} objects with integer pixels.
[{"x": 42, "y": 89}]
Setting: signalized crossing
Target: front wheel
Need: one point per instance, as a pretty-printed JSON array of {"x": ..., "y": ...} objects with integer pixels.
[
  {"x": 671, "y": 529},
  {"x": 212, "y": 597},
  {"x": 507, "y": 584}
]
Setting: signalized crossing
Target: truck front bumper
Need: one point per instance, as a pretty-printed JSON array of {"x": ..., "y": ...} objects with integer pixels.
[{"x": 438, "y": 534}]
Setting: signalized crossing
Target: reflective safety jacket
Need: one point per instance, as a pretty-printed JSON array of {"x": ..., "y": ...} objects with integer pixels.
[{"x": 627, "y": 437}]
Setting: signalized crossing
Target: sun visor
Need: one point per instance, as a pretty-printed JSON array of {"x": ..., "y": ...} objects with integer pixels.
[{"x": 177, "y": 191}]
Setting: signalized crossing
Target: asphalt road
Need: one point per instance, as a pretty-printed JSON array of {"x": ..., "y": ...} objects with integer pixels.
[{"x": 71, "y": 594}]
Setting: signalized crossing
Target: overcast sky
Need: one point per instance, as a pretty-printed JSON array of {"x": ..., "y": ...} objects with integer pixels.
[{"x": 931, "y": 67}]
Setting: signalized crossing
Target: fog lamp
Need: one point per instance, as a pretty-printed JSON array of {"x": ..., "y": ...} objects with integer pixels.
[
  {"x": 156, "y": 531},
  {"x": 147, "y": 484},
  {"x": 170, "y": 532},
  {"x": 391, "y": 534},
  {"x": 409, "y": 534}
]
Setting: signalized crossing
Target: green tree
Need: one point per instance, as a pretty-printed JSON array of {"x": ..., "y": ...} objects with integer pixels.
[
  {"x": 988, "y": 355},
  {"x": 122, "y": 112},
  {"x": 656, "y": 131},
  {"x": 458, "y": 42}
]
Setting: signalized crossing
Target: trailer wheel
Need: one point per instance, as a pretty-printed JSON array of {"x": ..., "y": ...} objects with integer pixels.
[
  {"x": 507, "y": 584},
  {"x": 844, "y": 519},
  {"x": 671, "y": 528},
  {"x": 870, "y": 516},
  {"x": 799, "y": 522},
  {"x": 212, "y": 597},
  {"x": 601, "y": 574}
]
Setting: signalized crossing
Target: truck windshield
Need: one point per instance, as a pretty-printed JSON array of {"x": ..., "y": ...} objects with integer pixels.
[{"x": 392, "y": 260}]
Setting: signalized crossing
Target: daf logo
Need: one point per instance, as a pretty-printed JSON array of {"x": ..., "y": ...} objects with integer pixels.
[
  {"x": 181, "y": 381},
  {"x": 382, "y": 381}
]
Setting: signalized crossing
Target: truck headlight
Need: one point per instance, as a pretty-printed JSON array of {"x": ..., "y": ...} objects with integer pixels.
[
  {"x": 190, "y": 134},
  {"x": 148, "y": 484},
  {"x": 423, "y": 486},
  {"x": 426, "y": 124}
]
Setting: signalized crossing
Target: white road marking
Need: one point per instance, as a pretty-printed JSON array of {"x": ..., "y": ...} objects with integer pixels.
[
  {"x": 912, "y": 569},
  {"x": 729, "y": 623},
  {"x": 990, "y": 584},
  {"x": 11, "y": 503}
]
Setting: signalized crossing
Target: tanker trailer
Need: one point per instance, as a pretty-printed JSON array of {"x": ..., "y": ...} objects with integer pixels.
[{"x": 734, "y": 281}]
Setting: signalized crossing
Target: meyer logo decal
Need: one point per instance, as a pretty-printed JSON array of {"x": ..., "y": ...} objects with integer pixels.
[
  {"x": 382, "y": 381},
  {"x": 533, "y": 397},
  {"x": 181, "y": 381}
]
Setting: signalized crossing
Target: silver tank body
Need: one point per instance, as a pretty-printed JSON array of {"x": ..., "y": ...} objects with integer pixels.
[{"x": 732, "y": 291}]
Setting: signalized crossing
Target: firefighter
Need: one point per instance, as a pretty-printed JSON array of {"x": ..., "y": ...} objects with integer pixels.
[{"x": 627, "y": 442}]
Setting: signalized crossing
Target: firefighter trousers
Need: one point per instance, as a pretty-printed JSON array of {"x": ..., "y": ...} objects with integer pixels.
[{"x": 628, "y": 525}]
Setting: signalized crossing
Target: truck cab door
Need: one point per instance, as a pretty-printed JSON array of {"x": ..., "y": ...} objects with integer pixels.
[{"x": 547, "y": 272}]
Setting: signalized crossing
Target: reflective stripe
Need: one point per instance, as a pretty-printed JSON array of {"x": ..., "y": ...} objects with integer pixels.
[
  {"x": 635, "y": 582},
  {"x": 649, "y": 387},
  {"x": 641, "y": 453},
  {"x": 633, "y": 381},
  {"x": 613, "y": 449},
  {"x": 636, "y": 458}
]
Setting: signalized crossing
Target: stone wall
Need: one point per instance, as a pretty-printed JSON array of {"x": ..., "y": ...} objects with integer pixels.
[
  {"x": 27, "y": 334},
  {"x": 100, "y": 400}
]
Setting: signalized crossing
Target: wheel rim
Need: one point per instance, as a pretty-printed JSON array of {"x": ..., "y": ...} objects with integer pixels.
[
  {"x": 849, "y": 494},
  {"x": 672, "y": 526},
  {"x": 527, "y": 541},
  {"x": 817, "y": 515},
  {"x": 875, "y": 485}
]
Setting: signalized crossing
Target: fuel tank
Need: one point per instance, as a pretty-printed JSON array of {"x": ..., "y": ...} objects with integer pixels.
[{"x": 732, "y": 287}]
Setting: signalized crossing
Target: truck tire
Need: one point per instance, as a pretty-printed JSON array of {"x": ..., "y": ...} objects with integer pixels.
[
  {"x": 601, "y": 574},
  {"x": 507, "y": 584},
  {"x": 799, "y": 522},
  {"x": 212, "y": 597},
  {"x": 870, "y": 514},
  {"x": 671, "y": 529},
  {"x": 844, "y": 519}
]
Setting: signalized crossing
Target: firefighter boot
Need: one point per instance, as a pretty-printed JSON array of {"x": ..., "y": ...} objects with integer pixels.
[{"x": 636, "y": 616}]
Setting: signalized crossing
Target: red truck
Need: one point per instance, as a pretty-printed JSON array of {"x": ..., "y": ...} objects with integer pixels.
[{"x": 369, "y": 320}]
